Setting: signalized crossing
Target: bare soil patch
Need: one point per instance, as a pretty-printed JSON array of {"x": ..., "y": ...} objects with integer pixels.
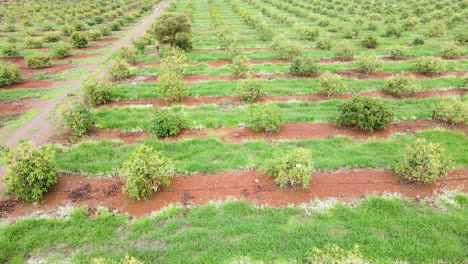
[{"x": 22, "y": 105}]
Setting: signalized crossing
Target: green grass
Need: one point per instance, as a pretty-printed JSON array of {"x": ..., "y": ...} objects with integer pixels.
[
  {"x": 210, "y": 155},
  {"x": 386, "y": 230},
  {"x": 27, "y": 93}
]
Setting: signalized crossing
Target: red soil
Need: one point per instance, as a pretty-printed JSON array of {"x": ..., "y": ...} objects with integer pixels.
[
  {"x": 107, "y": 40},
  {"x": 252, "y": 186},
  {"x": 22, "y": 105},
  {"x": 31, "y": 84}
]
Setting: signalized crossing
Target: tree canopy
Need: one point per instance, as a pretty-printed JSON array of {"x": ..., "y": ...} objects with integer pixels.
[{"x": 169, "y": 25}]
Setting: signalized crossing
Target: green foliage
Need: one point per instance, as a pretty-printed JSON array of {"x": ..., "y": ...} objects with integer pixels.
[
  {"x": 251, "y": 89},
  {"x": 79, "y": 26},
  {"x": 324, "y": 43},
  {"x": 370, "y": 42},
  {"x": 61, "y": 50},
  {"x": 9, "y": 74},
  {"x": 73, "y": 116},
  {"x": 119, "y": 70},
  {"x": 105, "y": 30},
  {"x": 402, "y": 86},
  {"x": 115, "y": 26},
  {"x": 239, "y": 66},
  {"x": 393, "y": 30},
  {"x": 38, "y": 60},
  {"x": 31, "y": 171},
  {"x": 146, "y": 171},
  {"x": 78, "y": 40},
  {"x": 11, "y": 51},
  {"x": 461, "y": 39},
  {"x": 127, "y": 54},
  {"x": 366, "y": 113},
  {"x": 286, "y": 48},
  {"x": 368, "y": 64},
  {"x": 452, "y": 111},
  {"x": 397, "y": 52},
  {"x": 51, "y": 37},
  {"x": 418, "y": 41},
  {"x": 291, "y": 168},
  {"x": 167, "y": 123},
  {"x": 169, "y": 25},
  {"x": 140, "y": 44},
  {"x": 451, "y": 51},
  {"x": 436, "y": 29},
  {"x": 345, "y": 51},
  {"x": 304, "y": 66},
  {"x": 334, "y": 254},
  {"x": 184, "y": 42},
  {"x": 95, "y": 34},
  {"x": 35, "y": 43},
  {"x": 66, "y": 30},
  {"x": 423, "y": 162},
  {"x": 268, "y": 117},
  {"x": 171, "y": 83},
  {"x": 10, "y": 27},
  {"x": 98, "y": 91},
  {"x": 331, "y": 84},
  {"x": 430, "y": 65}
]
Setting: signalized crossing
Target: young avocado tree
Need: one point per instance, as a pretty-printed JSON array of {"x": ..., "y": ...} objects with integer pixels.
[{"x": 169, "y": 25}]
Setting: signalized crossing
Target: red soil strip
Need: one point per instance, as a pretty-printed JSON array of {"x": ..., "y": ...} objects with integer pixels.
[
  {"x": 289, "y": 131},
  {"x": 31, "y": 84},
  {"x": 252, "y": 186},
  {"x": 22, "y": 106},
  {"x": 107, "y": 40},
  {"x": 315, "y": 97},
  {"x": 244, "y": 49}
]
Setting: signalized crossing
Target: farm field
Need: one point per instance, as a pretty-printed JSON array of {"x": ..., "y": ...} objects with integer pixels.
[{"x": 233, "y": 131}]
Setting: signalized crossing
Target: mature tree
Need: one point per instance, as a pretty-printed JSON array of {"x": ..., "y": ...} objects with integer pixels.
[{"x": 169, "y": 25}]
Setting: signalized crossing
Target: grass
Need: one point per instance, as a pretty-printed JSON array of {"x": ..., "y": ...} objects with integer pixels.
[
  {"x": 211, "y": 156},
  {"x": 27, "y": 93},
  {"x": 11, "y": 125},
  {"x": 387, "y": 230}
]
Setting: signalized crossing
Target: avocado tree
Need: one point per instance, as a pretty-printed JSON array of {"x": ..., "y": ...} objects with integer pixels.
[{"x": 169, "y": 25}]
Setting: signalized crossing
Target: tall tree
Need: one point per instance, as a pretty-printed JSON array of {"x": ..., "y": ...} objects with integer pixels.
[{"x": 169, "y": 25}]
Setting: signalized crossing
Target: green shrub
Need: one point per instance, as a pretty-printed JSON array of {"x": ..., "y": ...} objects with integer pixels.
[
  {"x": 291, "y": 169},
  {"x": 423, "y": 162},
  {"x": 266, "y": 117},
  {"x": 95, "y": 34},
  {"x": 287, "y": 48},
  {"x": 393, "y": 30},
  {"x": 66, "y": 30},
  {"x": 368, "y": 64},
  {"x": 184, "y": 42},
  {"x": 304, "y": 66},
  {"x": 10, "y": 50},
  {"x": 105, "y": 30},
  {"x": 35, "y": 43},
  {"x": 370, "y": 42},
  {"x": 172, "y": 87},
  {"x": 324, "y": 44},
  {"x": 51, "y": 37},
  {"x": 73, "y": 116},
  {"x": 167, "y": 123},
  {"x": 78, "y": 40},
  {"x": 38, "y": 60},
  {"x": 10, "y": 27},
  {"x": 345, "y": 51},
  {"x": 119, "y": 70},
  {"x": 402, "y": 86},
  {"x": 239, "y": 66},
  {"x": 430, "y": 66},
  {"x": 30, "y": 32},
  {"x": 436, "y": 29},
  {"x": 461, "y": 39},
  {"x": 366, "y": 113},
  {"x": 115, "y": 26},
  {"x": 251, "y": 89},
  {"x": 331, "y": 84},
  {"x": 139, "y": 44},
  {"x": 418, "y": 41},
  {"x": 451, "y": 51},
  {"x": 451, "y": 111},
  {"x": 9, "y": 74},
  {"x": 61, "y": 50},
  {"x": 98, "y": 91},
  {"x": 12, "y": 40},
  {"x": 127, "y": 54},
  {"x": 31, "y": 171},
  {"x": 98, "y": 20},
  {"x": 397, "y": 52},
  {"x": 146, "y": 171},
  {"x": 334, "y": 254}
]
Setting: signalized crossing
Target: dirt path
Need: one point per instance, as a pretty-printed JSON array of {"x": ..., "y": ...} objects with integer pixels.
[
  {"x": 39, "y": 128},
  {"x": 252, "y": 186}
]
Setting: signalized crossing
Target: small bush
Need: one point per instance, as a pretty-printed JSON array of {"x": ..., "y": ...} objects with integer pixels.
[
  {"x": 167, "y": 123},
  {"x": 73, "y": 116},
  {"x": 66, "y": 30},
  {"x": 105, "y": 30},
  {"x": 172, "y": 87},
  {"x": 239, "y": 66},
  {"x": 38, "y": 60},
  {"x": 368, "y": 114},
  {"x": 430, "y": 66},
  {"x": 61, "y": 50},
  {"x": 423, "y": 162},
  {"x": 12, "y": 40},
  {"x": 78, "y": 40},
  {"x": 393, "y": 30},
  {"x": 324, "y": 44},
  {"x": 304, "y": 66},
  {"x": 436, "y": 29},
  {"x": 345, "y": 51},
  {"x": 370, "y": 42},
  {"x": 418, "y": 41},
  {"x": 397, "y": 52},
  {"x": 11, "y": 51},
  {"x": 10, "y": 27},
  {"x": 287, "y": 48},
  {"x": 139, "y": 44},
  {"x": 9, "y": 74},
  {"x": 251, "y": 89},
  {"x": 451, "y": 51},
  {"x": 451, "y": 111},
  {"x": 266, "y": 117},
  {"x": 146, "y": 171},
  {"x": 127, "y": 54},
  {"x": 368, "y": 64},
  {"x": 79, "y": 26},
  {"x": 98, "y": 91},
  {"x": 331, "y": 84},
  {"x": 35, "y": 43},
  {"x": 115, "y": 26},
  {"x": 31, "y": 171},
  {"x": 402, "y": 86},
  {"x": 30, "y": 32},
  {"x": 120, "y": 70},
  {"x": 461, "y": 39},
  {"x": 292, "y": 168},
  {"x": 95, "y": 34},
  {"x": 51, "y": 37},
  {"x": 184, "y": 42}
]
